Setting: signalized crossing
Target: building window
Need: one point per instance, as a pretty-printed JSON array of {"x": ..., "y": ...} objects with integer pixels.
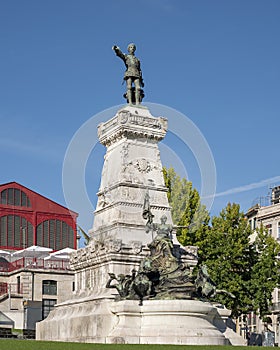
[
  {"x": 55, "y": 234},
  {"x": 47, "y": 307},
  {"x": 15, "y": 231},
  {"x": 278, "y": 231},
  {"x": 18, "y": 285},
  {"x": 250, "y": 224},
  {"x": 49, "y": 287},
  {"x": 15, "y": 197},
  {"x": 278, "y": 295},
  {"x": 254, "y": 223},
  {"x": 251, "y": 322},
  {"x": 3, "y": 288},
  {"x": 269, "y": 229}
]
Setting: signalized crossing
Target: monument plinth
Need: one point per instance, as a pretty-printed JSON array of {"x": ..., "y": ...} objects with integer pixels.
[{"x": 177, "y": 322}]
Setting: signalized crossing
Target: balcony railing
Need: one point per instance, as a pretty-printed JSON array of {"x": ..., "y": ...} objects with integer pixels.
[{"x": 35, "y": 263}]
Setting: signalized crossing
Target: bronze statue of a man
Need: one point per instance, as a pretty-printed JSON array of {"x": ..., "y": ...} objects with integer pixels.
[{"x": 132, "y": 75}]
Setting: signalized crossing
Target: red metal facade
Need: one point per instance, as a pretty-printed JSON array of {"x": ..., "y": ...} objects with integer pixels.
[{"x": 36, "y": 210}]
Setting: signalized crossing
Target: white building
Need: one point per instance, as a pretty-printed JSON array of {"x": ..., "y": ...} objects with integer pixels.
[
  {"x": 31, "y": 284},
  {"x": 269, "y": 217}
]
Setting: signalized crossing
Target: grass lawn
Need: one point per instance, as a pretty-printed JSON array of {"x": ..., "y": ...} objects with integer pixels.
[{"x": 13, "y": 344}]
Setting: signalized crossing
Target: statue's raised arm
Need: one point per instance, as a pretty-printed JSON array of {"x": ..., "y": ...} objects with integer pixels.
[
  {"x": 132, "y": 75},
  {"x": 118, "y": 52}
]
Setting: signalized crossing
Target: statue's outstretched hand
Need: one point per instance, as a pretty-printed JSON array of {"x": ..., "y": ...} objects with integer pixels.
[{"x": 115, "y": 47}]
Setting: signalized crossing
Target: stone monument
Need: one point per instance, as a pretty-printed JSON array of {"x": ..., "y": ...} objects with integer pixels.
[{"x": 133, "y": 281}]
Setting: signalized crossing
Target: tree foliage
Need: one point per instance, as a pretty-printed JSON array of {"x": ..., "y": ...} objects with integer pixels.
[
  {"x": 228, "y": 254},
  {"x": 265, "y": 271},
  {"x": 186, "y": 209},
  {"x": 247, "y": 268},
  {"x": 178, "y": 193}
]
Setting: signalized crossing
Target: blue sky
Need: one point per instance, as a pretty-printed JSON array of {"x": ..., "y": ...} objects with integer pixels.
[{"x": 216, "y": 62}]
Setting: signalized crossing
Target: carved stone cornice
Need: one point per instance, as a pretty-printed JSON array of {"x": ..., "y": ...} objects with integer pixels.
[
  {"x": 130, "y": 204},
  {"x": 98, "y": 252},
  {"x": 132, "y": 185},
  {"x": 128, "y": 124}
]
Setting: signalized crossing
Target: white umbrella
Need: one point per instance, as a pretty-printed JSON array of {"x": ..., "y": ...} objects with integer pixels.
[
  {"x": 33, "y": 251},
  {"x": 58, "y": 257},
  {"x": 5, "y": 255},
  {"x": 4, "y": 252},
  {"x": 65, "y": 252}
]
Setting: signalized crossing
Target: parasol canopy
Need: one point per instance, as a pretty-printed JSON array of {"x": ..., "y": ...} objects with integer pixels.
[
  {"x": 61, "y": 254},
  {"x": 4, "y": 253},
  {"x": 33, "y": 251}
]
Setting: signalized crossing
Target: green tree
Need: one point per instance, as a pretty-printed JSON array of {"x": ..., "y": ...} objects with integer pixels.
[
  {"x": 178, "y": 193},
  {"x": 241, "y": 262},
  {"x": 227, "y": 252},
  {"x": 265, "y": 270},
  {"x": 238, "y": 261},
  {"x": 186, "y": 208}
]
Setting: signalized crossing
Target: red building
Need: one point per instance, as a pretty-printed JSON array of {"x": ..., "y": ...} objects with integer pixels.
[{"x": 28, "y": 218}]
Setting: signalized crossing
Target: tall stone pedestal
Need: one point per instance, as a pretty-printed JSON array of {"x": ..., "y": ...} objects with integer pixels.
[{"x": 132, "y": 166}]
